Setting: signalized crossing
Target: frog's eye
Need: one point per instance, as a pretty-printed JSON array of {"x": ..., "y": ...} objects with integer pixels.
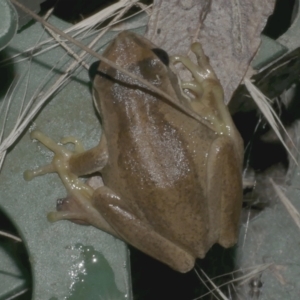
[
  {"x": 93, "y": 70},
  {"x": 162, "y": 55}
]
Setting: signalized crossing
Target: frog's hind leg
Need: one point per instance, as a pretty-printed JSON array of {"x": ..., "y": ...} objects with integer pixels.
[
  {"x": 224, "y": 192},
  {"x": 77, "y": 205},
  {"x": 138, "y": 232}
]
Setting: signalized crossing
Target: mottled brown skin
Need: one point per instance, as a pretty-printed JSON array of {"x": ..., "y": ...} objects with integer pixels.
[{"x": 172, "y": 186}]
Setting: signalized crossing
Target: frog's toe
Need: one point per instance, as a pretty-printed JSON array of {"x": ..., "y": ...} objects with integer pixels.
[
  {"x": 203, "y": 60},
  {"x": 30, "y": 174},
  {"x": 73, "y": 140},
  {"x": 51, "y": 144},
  {"x": 75, "y": 217},
  {"x": 193, "y": 86},
  {"x": 66, "y": 204},
  {"x": 68, "y": 209},
  {"x": 36, "y": 135}
]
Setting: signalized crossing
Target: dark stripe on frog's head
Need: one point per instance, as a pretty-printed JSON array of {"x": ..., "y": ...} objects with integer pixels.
[
  {"x": 93, "y": 70},
  {"x": 162, "y": 55}
]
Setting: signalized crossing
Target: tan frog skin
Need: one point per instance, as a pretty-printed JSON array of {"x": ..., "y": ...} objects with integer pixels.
[{"x": 172, "y": 186}]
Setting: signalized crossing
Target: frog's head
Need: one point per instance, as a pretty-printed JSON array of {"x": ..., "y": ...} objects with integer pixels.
[{"x": 135, "y": 54}]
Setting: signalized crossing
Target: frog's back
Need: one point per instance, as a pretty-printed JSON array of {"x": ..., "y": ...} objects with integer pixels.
[
  {"x": 157, "y": 163},
  {"x": 157, "y": 154}
]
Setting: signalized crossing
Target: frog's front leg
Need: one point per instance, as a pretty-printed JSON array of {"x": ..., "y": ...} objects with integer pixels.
[
  {"x": 138, "y": 232},
  {"x": 224, "y": 191},
  {"x": 208, "y": 100},
  {"x": 69, "y": 165},
  {"x": 90, "y": 161}
]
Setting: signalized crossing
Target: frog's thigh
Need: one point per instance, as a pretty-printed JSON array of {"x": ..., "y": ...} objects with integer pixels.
[
  {"x": 90, "y": 161},
  {"x": 139, "y": 234},
  {"x": 225, "y": 192}
]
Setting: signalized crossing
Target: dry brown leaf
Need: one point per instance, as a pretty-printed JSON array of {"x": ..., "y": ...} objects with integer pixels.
[{"x": 229, "y": 32}]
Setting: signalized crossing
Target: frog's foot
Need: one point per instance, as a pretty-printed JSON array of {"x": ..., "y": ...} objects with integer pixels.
[
  {"x": 60, "y": 165},
  {"x": 201, "y": 72},
  {"x": 81, "y": 210},
  {"x": 77, "y": 206},
  {"x": 208, "y": 97},
  {"x": 68, "y": 209},
  {"x": 61, "y": 155}
]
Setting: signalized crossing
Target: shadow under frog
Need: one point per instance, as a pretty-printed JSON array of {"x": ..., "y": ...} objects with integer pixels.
[{"x": 172, "y": 186}]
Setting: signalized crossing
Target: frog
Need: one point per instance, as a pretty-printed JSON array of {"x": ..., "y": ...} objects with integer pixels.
[{"x": 172, "y": 186}]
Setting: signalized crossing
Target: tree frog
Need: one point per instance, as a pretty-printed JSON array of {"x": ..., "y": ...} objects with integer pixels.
[{"x": 172, "y": 185}]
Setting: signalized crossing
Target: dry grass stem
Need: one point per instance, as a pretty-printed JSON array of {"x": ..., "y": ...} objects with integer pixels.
[
  {"x": 25, "y": 117},
  {"x": 251, "y": 273},
  {"x": 15, "y": 296},
  {"x": 294, "y": 213},
  {"x": 11, "y": 236},
  {"x": 215, "y": 288},
  {"x": 211, "y": 291},
  {"x": 169, "y": 99},
  {"x": 67, "y": 48},
  {"x": 81, "y": 27},
  {"x": 263, "y": 103}
]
